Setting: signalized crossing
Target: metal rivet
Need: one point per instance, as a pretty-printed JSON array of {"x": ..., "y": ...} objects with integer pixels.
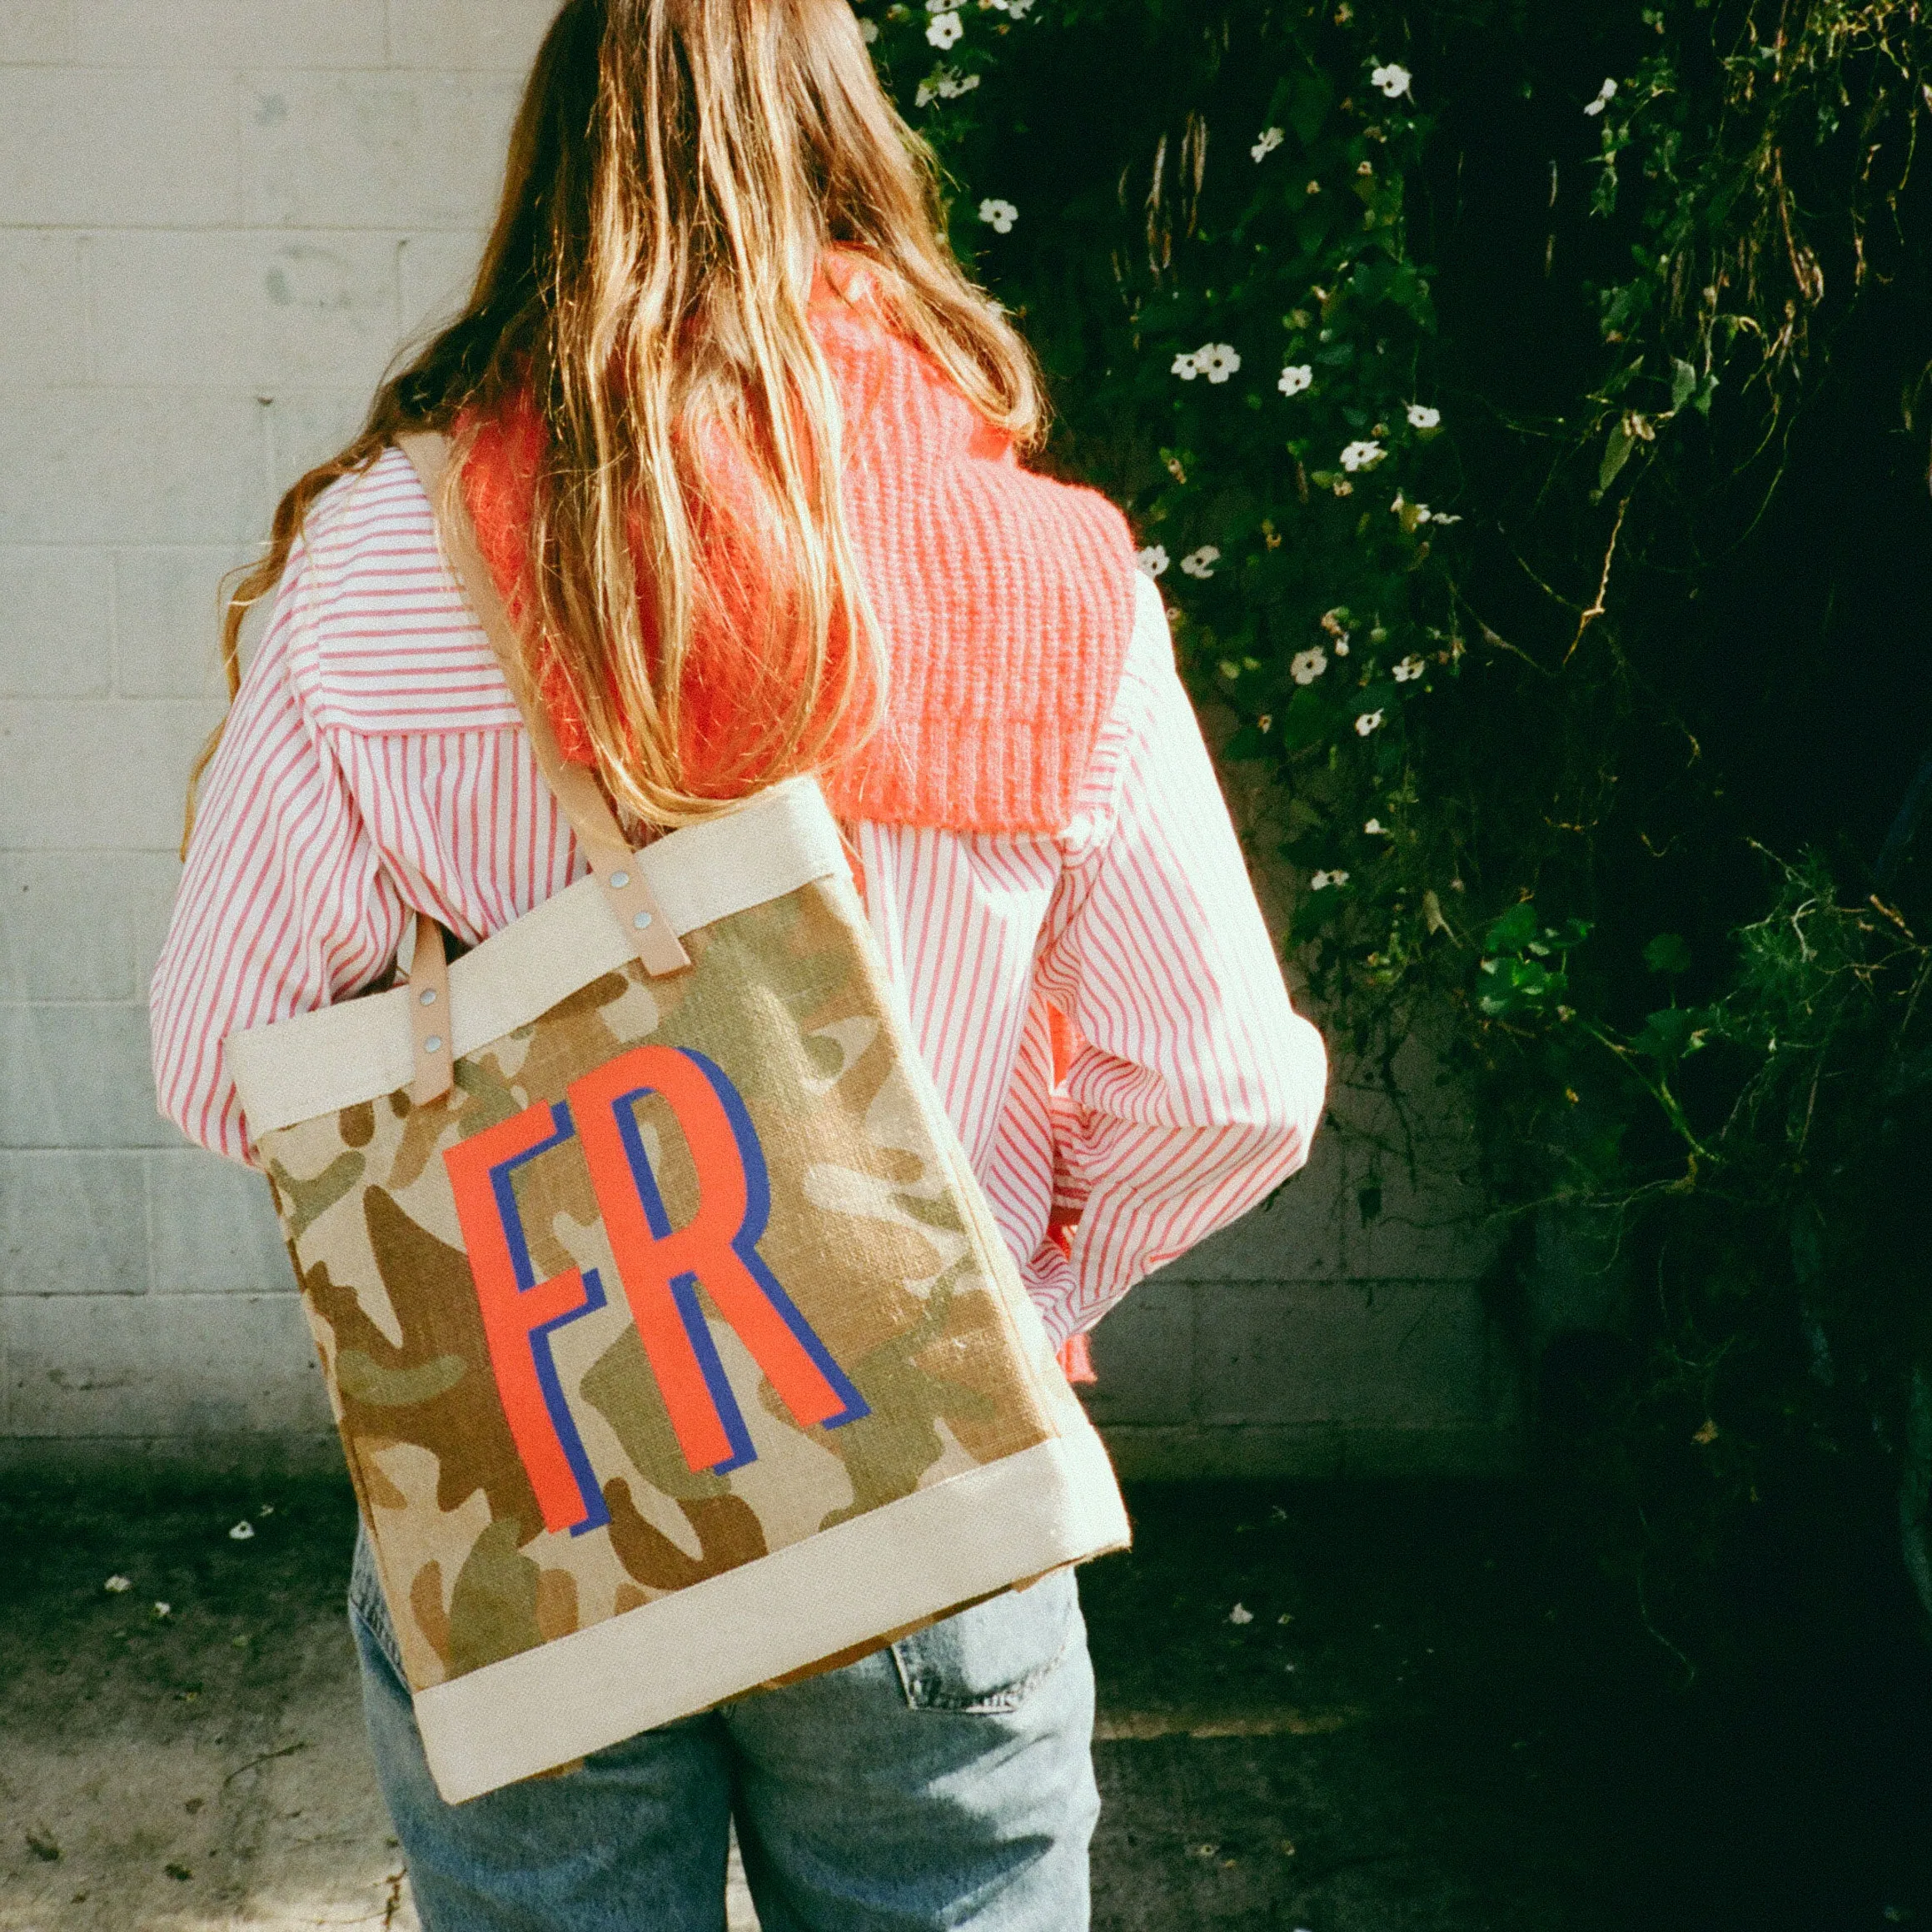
[
  {"x": 434, "y": 1044},
  {"x": 427, "y": 997},
  {"x": 619, "y": 880},
  {"x": 641, "y": 921}
]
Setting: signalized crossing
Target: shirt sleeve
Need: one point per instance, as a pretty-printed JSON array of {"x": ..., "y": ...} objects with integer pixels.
[
  {"x": 284, "y": 905},
  {"x": 1195, "y": 1087}
]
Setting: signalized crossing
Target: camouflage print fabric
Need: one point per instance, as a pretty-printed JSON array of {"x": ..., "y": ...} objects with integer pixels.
[{"x": 891, "y": 1285}]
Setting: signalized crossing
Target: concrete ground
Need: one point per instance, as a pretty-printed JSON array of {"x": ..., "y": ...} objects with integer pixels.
[{"x": 1345, "y": 1710}]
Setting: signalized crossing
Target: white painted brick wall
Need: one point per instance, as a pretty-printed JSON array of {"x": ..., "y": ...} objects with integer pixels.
[{"x": 219, "y": 219}]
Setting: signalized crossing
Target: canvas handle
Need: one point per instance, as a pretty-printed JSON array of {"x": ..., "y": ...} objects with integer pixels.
[
  {"x": 577, "y": 792},
  {"x": 611, "y": 856}
]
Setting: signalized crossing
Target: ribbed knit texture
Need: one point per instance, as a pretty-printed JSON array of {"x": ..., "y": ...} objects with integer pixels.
[{"x": 1005, "y": 599}]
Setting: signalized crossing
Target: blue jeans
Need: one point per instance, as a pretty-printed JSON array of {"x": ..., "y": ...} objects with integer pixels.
[{"x": 947, "y": 1781}]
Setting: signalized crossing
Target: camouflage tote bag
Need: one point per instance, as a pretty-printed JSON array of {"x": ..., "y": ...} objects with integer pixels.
[{"x": 673, "y": 1348}]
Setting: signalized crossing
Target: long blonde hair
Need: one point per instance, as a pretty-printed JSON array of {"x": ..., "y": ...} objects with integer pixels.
[{"x": 677, "y": 170}]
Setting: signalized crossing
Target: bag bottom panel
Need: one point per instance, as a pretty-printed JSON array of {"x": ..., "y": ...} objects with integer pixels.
[{"x": 890, "y": 1569}]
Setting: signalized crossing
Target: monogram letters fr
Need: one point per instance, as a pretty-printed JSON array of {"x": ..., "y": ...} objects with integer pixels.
[{"x": 660, "y": 1269}]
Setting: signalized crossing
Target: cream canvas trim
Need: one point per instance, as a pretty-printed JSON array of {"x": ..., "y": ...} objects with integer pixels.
[
  {"x": 320, "y": 1063},
  {"x": 1055, "y": 1503}
]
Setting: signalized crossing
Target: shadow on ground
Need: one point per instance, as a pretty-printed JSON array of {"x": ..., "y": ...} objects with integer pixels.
[{"x": 1343, "y": 1710}]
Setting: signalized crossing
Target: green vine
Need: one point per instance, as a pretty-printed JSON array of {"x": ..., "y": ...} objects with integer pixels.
[{"x": 1434, "y": 617}]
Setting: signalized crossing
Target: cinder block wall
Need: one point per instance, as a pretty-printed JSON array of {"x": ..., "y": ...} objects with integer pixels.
[{"x": 218, "y": 219}]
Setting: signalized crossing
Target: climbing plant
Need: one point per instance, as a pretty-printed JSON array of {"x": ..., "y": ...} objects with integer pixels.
[{"x": 1445, "y": 355}]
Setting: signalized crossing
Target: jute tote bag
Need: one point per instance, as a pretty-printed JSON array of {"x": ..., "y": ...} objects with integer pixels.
[{"x": 674, "y": 1349}]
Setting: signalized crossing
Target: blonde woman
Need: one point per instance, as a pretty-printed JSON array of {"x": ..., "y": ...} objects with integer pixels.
[{"x": 741, "y": 446}]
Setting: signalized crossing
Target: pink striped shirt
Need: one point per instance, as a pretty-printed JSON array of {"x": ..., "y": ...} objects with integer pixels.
[{"x": 375, "y": 765}]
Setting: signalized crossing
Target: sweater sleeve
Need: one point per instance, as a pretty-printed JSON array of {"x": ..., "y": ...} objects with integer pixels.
[
  {"x": 1195, "y": 1088},
  {"x": 284, "y": 905}
]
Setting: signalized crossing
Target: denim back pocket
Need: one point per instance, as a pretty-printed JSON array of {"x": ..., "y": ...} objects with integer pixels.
[{"x": 992, "y": 1658}]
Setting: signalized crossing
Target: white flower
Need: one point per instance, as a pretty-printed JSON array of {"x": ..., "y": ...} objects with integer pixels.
[
  {"x": 1423, "y": 417},
  {"x": 1376, "y": 829},
  {"x": 1368, "y": 723},
  {"x": 1241, "y": 1614},
  {"x": 1341, "y": 645},
  {"x": 1200, "y": 563},
  {"x": 999, "y": 216},
  {"x": 1153, "y": 560},
  {"x": 1323, "y": 880},
  {"x": 164, "y": 1610},
  {"x": 1362, "y": 455},
  {"x": 116, "y": 1584},
  {"x": 944, "y": 29},
  {"x": 1271, "y": 139},
  {"x": 1604, "y": 95},
  {"x": 944, "y": 84},
  {"x": 1306, "y": 665},
  {"x": 1216, "y": 360},
  {"x": 242, "y": 1532},
  {"x": 868, "y": 30},
  {"x": 1414, "y": 514},
  {"x": 1296, "y": 377},
  {"x": 1411, "y": 666},
  {"x": 1393, "y": 80}
]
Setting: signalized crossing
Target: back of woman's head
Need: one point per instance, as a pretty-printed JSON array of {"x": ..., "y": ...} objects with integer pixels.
[
  {"x": 638, "y": 331},
  {"x": 677, "y": 169}
]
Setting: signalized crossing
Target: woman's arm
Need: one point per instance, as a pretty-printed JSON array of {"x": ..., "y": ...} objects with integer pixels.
[
  {"x": 284, "y": 905},
  {"x": 1196, "y": 1088}
]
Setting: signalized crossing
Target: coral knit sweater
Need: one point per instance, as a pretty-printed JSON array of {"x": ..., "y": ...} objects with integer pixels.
[{"x": 1005, "y": 599}]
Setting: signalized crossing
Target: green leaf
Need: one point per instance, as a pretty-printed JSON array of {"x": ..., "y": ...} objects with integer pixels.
[
  {"x": 1514, "y": 929},
  {"x": 1616, "y": 453},
  {"x": 1672, "y": 1033},
  {"x": 1519, "y": 987},
  {"x": 1314, "y": 95},
  {"x": 1308, "y": 719},
  {"x": 1668, "y": 954},
  {"x": 1683, "y": 381}
]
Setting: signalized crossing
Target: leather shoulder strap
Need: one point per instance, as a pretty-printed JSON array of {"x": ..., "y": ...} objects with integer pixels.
[{"x": 611, "y": 854}]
